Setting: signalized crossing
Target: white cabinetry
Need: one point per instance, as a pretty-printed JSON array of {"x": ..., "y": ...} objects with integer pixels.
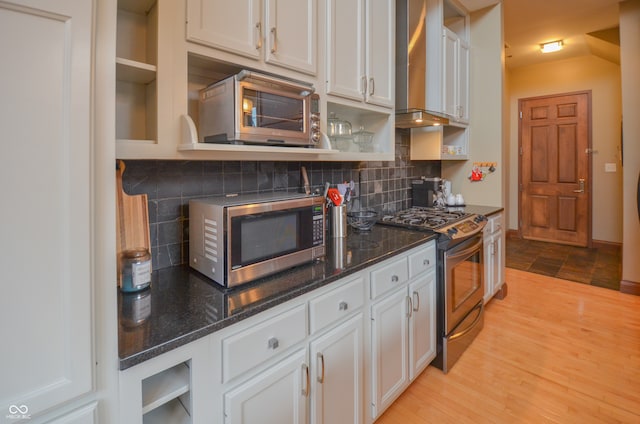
[
  {"x": 47, "y": 257},
  {"x": 360, "y": 73},
  {"x": 169, "y": 388},
  {"x": 336, "y": 374},
  {"x": 361, "y": 50},
  {"x": 455, "y": 76},
  {"x": 299, "y": 376},
  {"x": 448, "y": 44},
  {"x": 136, "y": 70},
  {"x": 403, "y": 339},
  {"x": 493, "y": 256},
  {"x": 278, "y": 32},
  {"x": 277, "y": 395}
]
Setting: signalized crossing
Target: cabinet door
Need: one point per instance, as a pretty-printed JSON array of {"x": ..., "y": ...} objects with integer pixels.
[
  {"x": 380, "y": 52},
  {"x": 498, "y": 264},
  {"x": 234, "y": 26},
  {"x": 488, "y": 247},
  {"x": 449, "y": 72},
  {"x": 463, "y": 81},
  {"x": 422, "y": 325},
  {"x": 336, "y": 377},
  {"x": 389, "y": 334},
  {"x": 291, "y": 34},
  {"x": 345, "y": 48},
  {"x": 277, "y": 395},
  {"x": 45, "y": 227}
]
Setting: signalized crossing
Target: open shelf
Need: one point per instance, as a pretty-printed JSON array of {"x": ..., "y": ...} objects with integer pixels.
[
  {"x": 164, "y": 387},
  {"x": 136, "y": 70}
]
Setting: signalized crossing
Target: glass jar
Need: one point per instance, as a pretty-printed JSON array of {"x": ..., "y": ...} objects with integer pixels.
[{"x": 135, "y": 270}]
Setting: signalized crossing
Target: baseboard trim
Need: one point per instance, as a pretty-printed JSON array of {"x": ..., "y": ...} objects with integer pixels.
[
  {"x": 513, "y": 234},
  {"x": 598, "y": 244},
  {"x": 630, "y": 287}
]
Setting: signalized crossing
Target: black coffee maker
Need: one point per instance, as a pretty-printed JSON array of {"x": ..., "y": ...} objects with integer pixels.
[{"x": 427, "y": 192}]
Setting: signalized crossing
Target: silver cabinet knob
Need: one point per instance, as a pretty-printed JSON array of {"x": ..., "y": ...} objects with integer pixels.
[
  {"x": 273, "y": 343},
  {"x": 343, "y": 306}
]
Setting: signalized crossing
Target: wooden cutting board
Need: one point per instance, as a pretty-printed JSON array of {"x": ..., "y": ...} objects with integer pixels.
[{"x": 132, "y": 223}]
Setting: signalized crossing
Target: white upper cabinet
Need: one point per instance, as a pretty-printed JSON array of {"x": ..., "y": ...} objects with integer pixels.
[
  {"x": 455, "y": 76},
  {"x": 361, "y": 50},
  {"x": 278, "y": 32},
  {"x": 448, "y": 45},
  {"x": 46, "y": 243}
]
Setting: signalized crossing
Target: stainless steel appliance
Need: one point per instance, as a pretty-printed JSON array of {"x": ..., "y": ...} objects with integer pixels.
[
  {"x": 427, "y": 192},
  {"x": 235, "y": 240},
  {"x": 411, "y": 68},
  {"x": 253, "y": 108},
  {"x": 460, "y": 287}
]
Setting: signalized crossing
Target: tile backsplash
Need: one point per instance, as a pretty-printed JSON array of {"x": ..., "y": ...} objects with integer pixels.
[{"x": 169, "y": 185}]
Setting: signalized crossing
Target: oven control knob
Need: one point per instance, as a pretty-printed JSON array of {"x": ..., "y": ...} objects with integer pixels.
[
  {"x": 452, "y": 231},
  {"x": 480, "y": 218}
]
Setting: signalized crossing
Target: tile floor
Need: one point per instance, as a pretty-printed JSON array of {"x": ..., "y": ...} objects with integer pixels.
[{"x": 600, "y": 266}]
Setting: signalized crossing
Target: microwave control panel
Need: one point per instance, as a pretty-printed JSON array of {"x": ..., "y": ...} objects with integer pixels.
[{"x": 318, "y": 225}]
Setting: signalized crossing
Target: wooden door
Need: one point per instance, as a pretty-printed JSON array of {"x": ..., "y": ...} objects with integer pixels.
[{"x": 555, "y": 168}]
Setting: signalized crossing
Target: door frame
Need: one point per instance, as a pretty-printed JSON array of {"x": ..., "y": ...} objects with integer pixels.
[{"x": 589, "y": 185}]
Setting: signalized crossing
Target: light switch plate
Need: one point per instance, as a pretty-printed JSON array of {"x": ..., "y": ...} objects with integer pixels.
[{"x": 609, "y": 167}]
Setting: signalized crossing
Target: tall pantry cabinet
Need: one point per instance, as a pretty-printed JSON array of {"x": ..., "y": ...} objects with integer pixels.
[{"x": 54, "y": 217}]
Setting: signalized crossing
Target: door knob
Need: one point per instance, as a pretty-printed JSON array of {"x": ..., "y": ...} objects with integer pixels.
[{"x": 581, "y": 185}]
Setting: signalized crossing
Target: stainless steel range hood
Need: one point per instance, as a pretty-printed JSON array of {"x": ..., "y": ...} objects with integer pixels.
[{"x": 411, "y": 67}]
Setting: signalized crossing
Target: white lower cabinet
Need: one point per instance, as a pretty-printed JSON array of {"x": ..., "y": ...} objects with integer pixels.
[
  {"x": 336, "y": 374},
  {"x": 171, "y": 388},
  {"x": 403, "y": 341},
  {"x": 390, "y": 349},
  {"x": 493, "y": 256},
  {"x": 301, "y": 362},
  {"x": 422, "y": 346},
  {"x": 276, "y": 395}
]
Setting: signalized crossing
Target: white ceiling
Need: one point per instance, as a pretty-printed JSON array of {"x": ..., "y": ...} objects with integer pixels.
[{"x": 528, "y": 23}]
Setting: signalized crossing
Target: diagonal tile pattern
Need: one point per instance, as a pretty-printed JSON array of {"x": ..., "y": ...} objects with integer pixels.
[{"x": 599, "y": 266}]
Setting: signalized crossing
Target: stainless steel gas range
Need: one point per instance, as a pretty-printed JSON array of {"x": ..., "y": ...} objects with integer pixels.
[{"x": 460, "y": 288}]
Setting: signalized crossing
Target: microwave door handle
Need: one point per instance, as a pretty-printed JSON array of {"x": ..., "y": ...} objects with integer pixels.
[{"x": 300, "y": 87}]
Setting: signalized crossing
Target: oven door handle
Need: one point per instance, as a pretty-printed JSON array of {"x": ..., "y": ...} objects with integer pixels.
[
  {"x": 463, "y": 254},
  {"x": 479, "y": 307}
]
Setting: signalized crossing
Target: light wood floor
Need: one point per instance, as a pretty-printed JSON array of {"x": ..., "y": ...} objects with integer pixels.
[{"x": 552, "y": 351}]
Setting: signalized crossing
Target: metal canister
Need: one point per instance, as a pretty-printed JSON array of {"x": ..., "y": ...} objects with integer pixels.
[{"x": 135, "y": 270}]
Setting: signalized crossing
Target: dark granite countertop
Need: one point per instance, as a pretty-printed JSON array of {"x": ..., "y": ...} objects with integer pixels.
[
  {"x": 483, "y": 210},
  {"x": 182, "y": 305}
]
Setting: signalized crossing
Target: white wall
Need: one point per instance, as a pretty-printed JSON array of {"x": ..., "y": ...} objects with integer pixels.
[
  {"x": 630, "y": 65},
  {"x": 578, "y": 74}
]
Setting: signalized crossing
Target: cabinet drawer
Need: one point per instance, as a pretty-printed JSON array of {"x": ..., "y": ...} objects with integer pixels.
[
  {"x": 336, "y": 304},
  {"x": 269, "y": 338},
  {"x": 422, "y": 261},
  {"x": 389, "y": 276}
]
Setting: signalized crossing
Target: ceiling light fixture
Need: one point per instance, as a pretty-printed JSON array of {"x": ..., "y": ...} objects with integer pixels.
[{"x": 551, "y": 47}]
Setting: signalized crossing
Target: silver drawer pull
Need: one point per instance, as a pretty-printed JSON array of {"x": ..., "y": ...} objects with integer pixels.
[
  {"x": 343, "y": 306},
  {"x": 273, "y": 343},
  {"x": 395, "y": 278}
]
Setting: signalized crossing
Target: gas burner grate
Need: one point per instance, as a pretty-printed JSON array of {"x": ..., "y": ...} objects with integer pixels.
[{"x": 425, "y": 218}]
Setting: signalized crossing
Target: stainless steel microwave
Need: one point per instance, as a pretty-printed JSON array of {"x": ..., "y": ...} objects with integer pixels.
[
  {"x": 253, "y": 108},
  {"x": 235, "y": 240}
]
